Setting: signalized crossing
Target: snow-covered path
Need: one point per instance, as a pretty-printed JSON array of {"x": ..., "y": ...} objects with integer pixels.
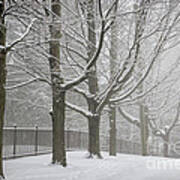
[{"x": 123, "y": 167}]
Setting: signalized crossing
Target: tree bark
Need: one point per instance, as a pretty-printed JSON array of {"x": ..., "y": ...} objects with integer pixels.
[
  {"x": 144, "y": 130},
  {"x": 166, "y": 146},
  {"x": 59, "y": 153},
  {"x": 58, "y": 93},
  {"x": 2, "y": 82},
  {"x": 94, "y": 139},
  {"x": 112, "y": 122}
]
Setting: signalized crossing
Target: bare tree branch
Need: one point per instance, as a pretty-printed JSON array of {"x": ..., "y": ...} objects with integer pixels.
[
  {"x": 78, "y": 109},
  {"x": 9, "y": 47},
  {"x": 129, "y": 118}
]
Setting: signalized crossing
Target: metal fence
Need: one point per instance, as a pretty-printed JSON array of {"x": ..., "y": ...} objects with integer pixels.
[{"x": 19, "y": 141}]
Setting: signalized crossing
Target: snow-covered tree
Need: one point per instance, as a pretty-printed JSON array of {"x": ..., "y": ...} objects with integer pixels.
[{"x": 5, "y": 47}]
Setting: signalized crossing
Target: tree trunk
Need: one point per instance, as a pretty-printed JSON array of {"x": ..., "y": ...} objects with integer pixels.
[
  {"x": 113, "y": 66},
  {"x": 58, "y": 93},
  {"x": 94, "y": 122},
  {"x": 59, "y": 153},
  {"x": 2, "y": 82},
  {"x": 166, "y": 146},
  {"x": 144, "y": 130},
  {"x": 112, "y": 122},
  {"x": 94, "y": 142},
  {"x": 140, "y": 20}
]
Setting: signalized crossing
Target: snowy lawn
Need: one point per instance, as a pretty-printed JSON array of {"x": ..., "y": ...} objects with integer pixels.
[{"x": 123, "y": 167}]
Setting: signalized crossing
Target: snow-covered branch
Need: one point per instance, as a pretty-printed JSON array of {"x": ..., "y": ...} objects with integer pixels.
[
  {"x": 26, "y": 83},
  {"x": 78, "y": 80},
  {"x": 94, "y": 57},
  {"x": 174, "y": 123},
  {"x": 32, "y": 74},
  {"x": 22, "y": 84},
  {"x": 9, "y": 47},
  {"x": 158, "y": 83},
  {"x": 74, "y": 82},
  {"x": 155, "y": 130},
  {"x": 163, "y": 132},
  {"x": 78, "y": 109},
  {"x": 81, "y": 92},
  {"x": 129, "y": 118},
  {"x": 2, "y": 48},
  {"x": 157, "y": 50}
]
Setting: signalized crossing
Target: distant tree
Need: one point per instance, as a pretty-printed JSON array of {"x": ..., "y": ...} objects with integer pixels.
[
  {"x": 165, "y": 131},
  {"x": 162, "y": 132},
  {"x": 2, "y": 79},
  {"x": 113, "y": 58},
  {"x": 140, "y": 20}
]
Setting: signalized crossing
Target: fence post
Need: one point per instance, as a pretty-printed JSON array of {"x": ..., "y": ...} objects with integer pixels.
[
  {"x": 14, "y": 140},
  {"x": 36, "y": 139}
]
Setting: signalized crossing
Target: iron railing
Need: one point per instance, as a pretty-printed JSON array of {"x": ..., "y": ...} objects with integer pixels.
[{"x": 20, "y": 141}]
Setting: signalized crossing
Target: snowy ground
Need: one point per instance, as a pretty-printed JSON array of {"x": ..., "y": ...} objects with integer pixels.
[{"x": 123, "y": 167}]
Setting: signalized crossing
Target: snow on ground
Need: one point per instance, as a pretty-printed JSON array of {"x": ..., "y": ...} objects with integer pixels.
[{"x": 122, "y": 167}]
